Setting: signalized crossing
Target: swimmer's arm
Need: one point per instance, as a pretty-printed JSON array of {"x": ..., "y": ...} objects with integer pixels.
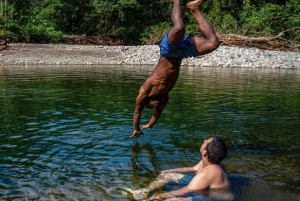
[
  {"x": 139, "y": 106},
  {"x": 157, "y": 112},
  {"x": 184, "y": 169},
  {"x": 199, "y": 182},
  {"x": 177, "y": 193}
]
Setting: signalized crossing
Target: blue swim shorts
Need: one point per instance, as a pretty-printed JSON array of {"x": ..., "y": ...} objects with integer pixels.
[{"x": 184, "y": 49}]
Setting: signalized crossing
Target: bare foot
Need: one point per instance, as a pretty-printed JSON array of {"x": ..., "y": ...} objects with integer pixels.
[{"x": 194, "y": 5}]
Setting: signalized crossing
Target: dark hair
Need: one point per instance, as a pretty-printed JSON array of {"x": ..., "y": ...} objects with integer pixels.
[{"x": 217, "y": 150}]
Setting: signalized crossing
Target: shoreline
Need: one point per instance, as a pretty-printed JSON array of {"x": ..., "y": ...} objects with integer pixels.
[{"x": 66, "y": 54}]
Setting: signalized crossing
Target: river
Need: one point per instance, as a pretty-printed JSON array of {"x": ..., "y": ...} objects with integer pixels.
[{"x": 65, "y": 130}]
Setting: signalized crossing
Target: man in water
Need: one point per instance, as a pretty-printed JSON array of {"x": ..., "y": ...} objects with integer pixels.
[
  {"x": 210, "y": 174},
  {"x": 154, "y": 93}
]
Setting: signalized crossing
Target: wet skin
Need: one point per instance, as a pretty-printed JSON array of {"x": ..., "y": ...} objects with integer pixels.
[{"x": 154, "y": 93}]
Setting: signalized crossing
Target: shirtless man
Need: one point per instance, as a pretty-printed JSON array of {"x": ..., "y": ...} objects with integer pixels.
[
  {"x": 154, "y": 93},
  {"x": 210, "y": 174}
]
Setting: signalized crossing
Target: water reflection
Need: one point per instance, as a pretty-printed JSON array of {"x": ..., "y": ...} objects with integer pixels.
[{"x": 65, "y": 130}]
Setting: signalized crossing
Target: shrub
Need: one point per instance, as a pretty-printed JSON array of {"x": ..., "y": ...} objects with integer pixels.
[
  {"x": 40, "y": 32},
  {"x": 153, "y": 35},
  {"x": 8, "y": 36}
]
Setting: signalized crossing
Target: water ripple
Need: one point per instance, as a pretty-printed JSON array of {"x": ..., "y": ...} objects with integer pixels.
[{"x": 65, "y": 131}]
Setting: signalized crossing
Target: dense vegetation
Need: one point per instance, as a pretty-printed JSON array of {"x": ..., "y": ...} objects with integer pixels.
[{"x": 140, "y": 21}]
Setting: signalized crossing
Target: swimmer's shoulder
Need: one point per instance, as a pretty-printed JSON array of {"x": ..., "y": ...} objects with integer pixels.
[{"x": 222, "y": 166}]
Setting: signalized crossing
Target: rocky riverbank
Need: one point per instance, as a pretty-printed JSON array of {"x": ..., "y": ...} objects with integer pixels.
[{"x": 64, "y": 54}]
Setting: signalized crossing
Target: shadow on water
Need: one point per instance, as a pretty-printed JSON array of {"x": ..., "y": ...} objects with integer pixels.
[
  {"x": 65, "y": 130},
  {"x": 248, "y": 189}
]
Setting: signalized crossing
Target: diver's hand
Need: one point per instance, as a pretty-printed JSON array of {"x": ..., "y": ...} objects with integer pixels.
[
  {"x": 146, "y": 126},
  {"x": 136, "y": 134}
]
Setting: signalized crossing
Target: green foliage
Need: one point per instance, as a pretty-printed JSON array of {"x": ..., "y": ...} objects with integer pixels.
[
  {"x": 40, "y": 31},
  {"x": 23, "y": 20},
  {"x": 220, "y": 14},
  {"x": 8, "y": 36},
  {"x": 292, "y": 18},
  {"x": 9, "y": 26},
  {"x": 229, "y": 25},
  {"x": 214, "y": 13},
  {"x": 253, "y": 17},
  {"x": 265, "y": 21},
  {"x": 136, "y": 21},
  {"x": 154, "y": 34}
]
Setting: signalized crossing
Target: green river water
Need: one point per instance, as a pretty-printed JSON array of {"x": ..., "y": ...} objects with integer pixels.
[{"x": 64, "y": 130}]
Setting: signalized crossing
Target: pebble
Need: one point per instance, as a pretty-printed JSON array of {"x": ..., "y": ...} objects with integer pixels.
[{"x": 224, "y": 56}]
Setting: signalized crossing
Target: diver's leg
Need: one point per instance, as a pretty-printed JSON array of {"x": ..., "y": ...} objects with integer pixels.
[
  {"x": 210, "y": 41},
  {"x": 178, "y": 30}
]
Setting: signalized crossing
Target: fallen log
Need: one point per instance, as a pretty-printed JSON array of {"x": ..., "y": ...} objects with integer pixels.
[
  {"x": 276, "y": 42},
  {"x": 270, "y": 43},
  {"x": 92, "y": 40},
  {"x": 258, "y": 39}
]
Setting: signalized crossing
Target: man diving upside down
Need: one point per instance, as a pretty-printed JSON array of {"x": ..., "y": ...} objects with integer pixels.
[{"x": 174, "y": 47}]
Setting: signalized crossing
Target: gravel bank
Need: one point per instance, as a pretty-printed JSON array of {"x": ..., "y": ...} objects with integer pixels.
[{"x": 63, "y": 54}]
